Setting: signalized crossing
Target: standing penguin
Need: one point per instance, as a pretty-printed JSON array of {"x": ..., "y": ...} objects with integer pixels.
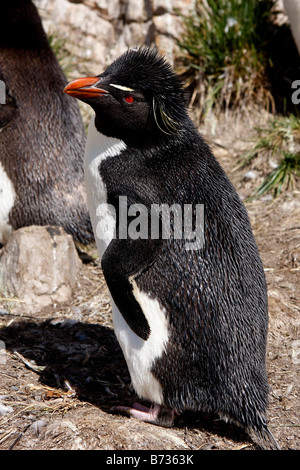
[
  {"x": 42, "y": 137},
  {"x": 192, "y": 322}
]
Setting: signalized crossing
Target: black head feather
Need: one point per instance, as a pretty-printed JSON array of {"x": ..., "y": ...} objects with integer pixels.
[
  {"x": 146, "y": 71},
  {"x": 138, "y": 98}
]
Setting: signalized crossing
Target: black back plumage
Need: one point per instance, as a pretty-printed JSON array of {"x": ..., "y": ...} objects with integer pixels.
[
  {"x": 215, "y": 297},
  {"x": 42, "y": 138}
]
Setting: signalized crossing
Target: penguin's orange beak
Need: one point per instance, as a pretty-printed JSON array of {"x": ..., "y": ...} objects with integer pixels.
[{"x": 84, "y": 88}]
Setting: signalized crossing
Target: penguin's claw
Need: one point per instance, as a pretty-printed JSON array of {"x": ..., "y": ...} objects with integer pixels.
[{"x": 156, "y": 414}]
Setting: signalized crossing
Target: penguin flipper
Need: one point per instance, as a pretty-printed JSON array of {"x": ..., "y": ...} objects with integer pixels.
[{"x": 122, "y": 260}]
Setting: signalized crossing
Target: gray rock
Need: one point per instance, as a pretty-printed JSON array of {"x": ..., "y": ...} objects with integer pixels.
[
  {"x": 39, "y": 266},
  {"x": 98, "y": 31}
]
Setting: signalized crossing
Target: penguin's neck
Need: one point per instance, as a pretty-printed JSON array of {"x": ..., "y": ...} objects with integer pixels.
[{"x": 98, "y": 148}]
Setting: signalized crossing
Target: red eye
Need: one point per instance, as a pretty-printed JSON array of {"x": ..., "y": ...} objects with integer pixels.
[{"x": 129, "y": 99}]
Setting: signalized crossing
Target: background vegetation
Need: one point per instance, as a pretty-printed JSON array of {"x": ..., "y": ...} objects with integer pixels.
[{"x": 238, "y": 56}]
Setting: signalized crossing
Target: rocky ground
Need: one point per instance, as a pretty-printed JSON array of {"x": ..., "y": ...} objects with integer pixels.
[{"x": 62, "y": 371}]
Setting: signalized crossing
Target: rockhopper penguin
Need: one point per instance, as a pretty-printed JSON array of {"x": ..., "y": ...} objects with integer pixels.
[
  {"x": 42, "y": 138},
  {"x": 192, "y": 323}
]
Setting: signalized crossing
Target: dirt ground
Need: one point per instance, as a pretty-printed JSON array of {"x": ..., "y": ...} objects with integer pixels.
[{"x": 62, "y": 371}]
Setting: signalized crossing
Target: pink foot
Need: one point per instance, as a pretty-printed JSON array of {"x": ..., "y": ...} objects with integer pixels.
[{"x": 156, "y": 414}]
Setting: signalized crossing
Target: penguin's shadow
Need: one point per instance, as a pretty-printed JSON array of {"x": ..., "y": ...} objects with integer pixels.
[{"x": 88, "y": 357}]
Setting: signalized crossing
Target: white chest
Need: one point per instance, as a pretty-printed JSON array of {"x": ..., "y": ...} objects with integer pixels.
[
  {"x": 99, "y": 148},
  {"x": 7, "y": 198},
  {"x": 139, "y": 354}
]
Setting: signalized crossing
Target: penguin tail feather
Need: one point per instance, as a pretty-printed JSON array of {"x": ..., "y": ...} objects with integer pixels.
[{"x": 264, "y": 438}]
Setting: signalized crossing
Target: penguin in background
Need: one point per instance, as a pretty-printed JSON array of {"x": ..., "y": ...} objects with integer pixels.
[
  {"x": 42, "y": 138},
  {"x": 192, "y": 323}
]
